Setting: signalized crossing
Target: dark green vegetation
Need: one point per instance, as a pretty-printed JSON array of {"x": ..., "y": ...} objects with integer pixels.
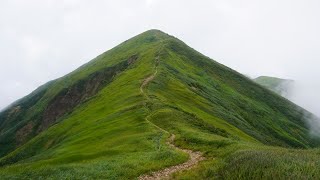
[
  {"x": 95, "y": 123},
  {"x": 282, "y": 87}
]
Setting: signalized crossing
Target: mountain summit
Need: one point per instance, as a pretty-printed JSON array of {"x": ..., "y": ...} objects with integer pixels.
[{"x": 112, "y": 117}]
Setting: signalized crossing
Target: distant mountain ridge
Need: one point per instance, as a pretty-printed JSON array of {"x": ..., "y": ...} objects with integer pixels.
[{"x": 280, "y": 86}]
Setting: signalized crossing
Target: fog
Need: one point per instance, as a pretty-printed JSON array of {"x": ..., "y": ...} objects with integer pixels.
[
  {"x": 41, "y": 40},
  {"x": 305, "y": 94}
]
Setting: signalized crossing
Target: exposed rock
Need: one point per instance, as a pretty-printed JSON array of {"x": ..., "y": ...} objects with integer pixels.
[
  {"x": 23, "y": 133},
  {"x": 71, "y": 97}
]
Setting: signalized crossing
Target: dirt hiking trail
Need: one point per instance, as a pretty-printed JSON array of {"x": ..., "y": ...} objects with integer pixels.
[{"x": 194, "y": 157}]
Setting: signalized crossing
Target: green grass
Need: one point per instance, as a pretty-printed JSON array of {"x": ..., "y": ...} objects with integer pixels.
[
  {"x": 107, "y": 135},
  {"x": 272, "y": 164},
  {"x": 120, "y": 133}
]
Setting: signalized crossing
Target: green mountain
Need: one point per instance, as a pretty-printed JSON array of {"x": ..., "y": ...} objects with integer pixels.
[
  {"x": 112, "y": 117},
  {"x": 282, "y": 87}
]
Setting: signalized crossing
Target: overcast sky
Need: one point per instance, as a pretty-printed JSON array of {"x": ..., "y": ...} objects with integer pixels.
[{"x": 41, "y": 40}]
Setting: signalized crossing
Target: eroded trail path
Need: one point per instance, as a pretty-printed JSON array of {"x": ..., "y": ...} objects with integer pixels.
[
  {"x": 194, "y": 157},
  {"x": 149, "y": 79}
]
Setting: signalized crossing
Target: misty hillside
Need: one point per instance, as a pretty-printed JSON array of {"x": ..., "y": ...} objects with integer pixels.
[
  {"x": 280, "y": 86},
  {"x": 150, "y": 103}
]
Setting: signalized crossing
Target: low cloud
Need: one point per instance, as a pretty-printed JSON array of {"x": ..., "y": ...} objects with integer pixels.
[
  {"x": 306, "y": 94},
  {"x": 313, "y": 124}
]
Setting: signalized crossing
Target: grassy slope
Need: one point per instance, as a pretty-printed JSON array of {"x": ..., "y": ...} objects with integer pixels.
[
  {"x": 33, "y": 105},
  {"x": 223, "y": 154},
  {"x": 107, "y": 136},
  {"x": 209, "y": 107}
]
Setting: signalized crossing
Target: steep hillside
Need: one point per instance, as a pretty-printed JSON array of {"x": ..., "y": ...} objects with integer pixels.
[
  {"x": 111, "y": 118},
  {"x": 282, "y": 87}
]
